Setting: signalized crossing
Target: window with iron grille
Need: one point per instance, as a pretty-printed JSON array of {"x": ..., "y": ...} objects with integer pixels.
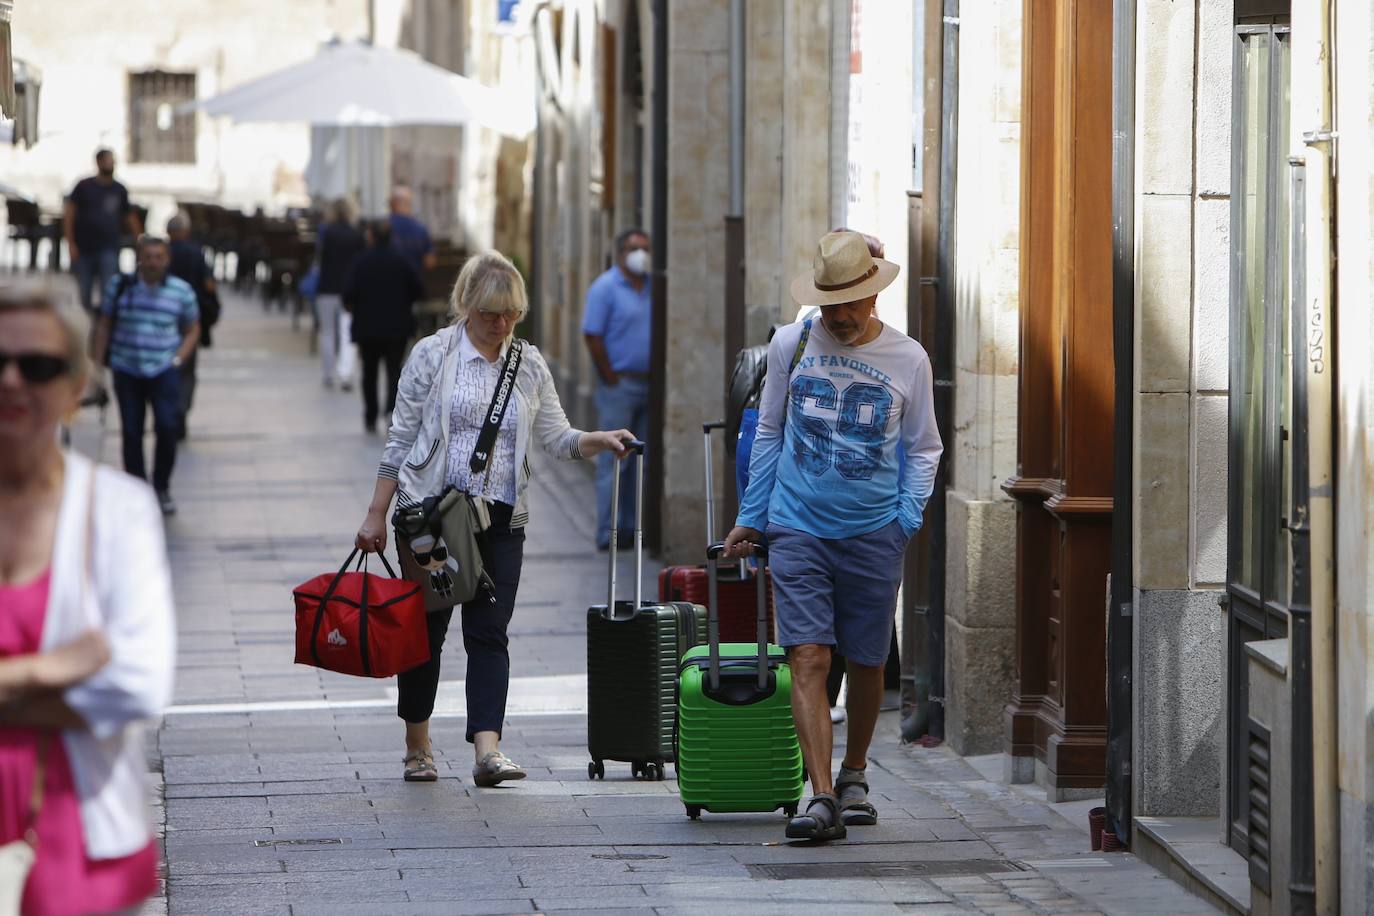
[{"x": 158, "y": 132}]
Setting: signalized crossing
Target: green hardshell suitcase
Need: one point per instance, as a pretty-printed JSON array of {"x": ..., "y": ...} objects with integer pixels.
[
  {"x": 737, "y": 743},
  {"x": 633, "y": 650}
]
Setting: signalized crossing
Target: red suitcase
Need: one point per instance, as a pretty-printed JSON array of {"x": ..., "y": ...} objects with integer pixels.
[{"x": 736, "y": 589}]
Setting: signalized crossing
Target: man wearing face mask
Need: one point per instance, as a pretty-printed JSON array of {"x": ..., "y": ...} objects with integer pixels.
[
  {"x": 617, "y": 330},
  {"x": 842, "y": 466}
]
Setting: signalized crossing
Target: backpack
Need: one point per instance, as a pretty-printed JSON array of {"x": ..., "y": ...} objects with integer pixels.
[{"x": 748, "y": 422}]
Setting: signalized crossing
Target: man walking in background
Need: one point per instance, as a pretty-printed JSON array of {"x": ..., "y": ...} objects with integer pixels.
[
  {"x": 149, "y": 326},
  {"x": 842, "y": 467},
  {"x": 379, "y": 292},
  {"x": 408, "y": 234},
  {"x": 188, "y": 263},
  {"x": 340, "y": 242},
  {"x": 95, "y": 213},
  {"x": 617, "y": 327}
]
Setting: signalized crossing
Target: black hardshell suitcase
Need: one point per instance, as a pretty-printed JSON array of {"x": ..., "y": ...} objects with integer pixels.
[{"x": 633, "y": 650}]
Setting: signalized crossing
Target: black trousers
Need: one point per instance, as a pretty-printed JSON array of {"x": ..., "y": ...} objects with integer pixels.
[
  {"x": 188, "y": 386},
  {"x": 484, "y": 637},
  {"x": 373, "y": 351}
]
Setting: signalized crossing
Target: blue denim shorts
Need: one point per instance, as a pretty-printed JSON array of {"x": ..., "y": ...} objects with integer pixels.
[{"x": 840, "y": 593}]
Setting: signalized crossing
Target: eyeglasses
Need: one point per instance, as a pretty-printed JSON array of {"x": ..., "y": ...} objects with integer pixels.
[
  {"x": 36, "y": 368},
  {"x": 494, "y": 317}
]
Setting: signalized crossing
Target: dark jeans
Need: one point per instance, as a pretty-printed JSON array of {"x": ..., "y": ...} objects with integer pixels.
[
  {"x": 134, "y": 393},
  {"x": 484, "y": 637},
  {"x": 93, "y": 271},
  {"x": 372, "y": 352}
]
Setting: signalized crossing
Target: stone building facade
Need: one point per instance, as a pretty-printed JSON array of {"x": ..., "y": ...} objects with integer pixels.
[{"x": 110, "y": 75}]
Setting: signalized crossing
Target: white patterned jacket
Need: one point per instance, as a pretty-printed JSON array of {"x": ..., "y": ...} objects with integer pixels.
[{"x": 416, "y": 453}]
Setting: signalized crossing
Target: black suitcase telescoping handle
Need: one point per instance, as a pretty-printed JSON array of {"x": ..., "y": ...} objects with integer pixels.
[
  {"x": 713, "y": 612},
  {"x": 636, "y": 447},
  {"x": 707, "y": 453}
]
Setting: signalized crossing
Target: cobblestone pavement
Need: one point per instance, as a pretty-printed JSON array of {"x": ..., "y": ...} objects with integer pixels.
[{"x": 279, "y": 785}]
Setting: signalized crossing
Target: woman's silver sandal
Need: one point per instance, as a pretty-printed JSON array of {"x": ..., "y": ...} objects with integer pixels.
[
  {"x": 495, "y": 768},
  {"x": 420, "y": 766},
  {"x": 852, "y": 788}
]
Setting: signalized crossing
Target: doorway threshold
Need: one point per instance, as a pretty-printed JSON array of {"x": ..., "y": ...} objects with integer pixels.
[{"x": 1190, "y": 852}]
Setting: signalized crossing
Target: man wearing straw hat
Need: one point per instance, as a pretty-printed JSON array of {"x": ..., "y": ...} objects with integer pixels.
[{"x": 843, "y": 463}]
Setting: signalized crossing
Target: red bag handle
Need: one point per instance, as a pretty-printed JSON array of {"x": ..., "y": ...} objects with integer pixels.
[{"x": 362, "y": 610}]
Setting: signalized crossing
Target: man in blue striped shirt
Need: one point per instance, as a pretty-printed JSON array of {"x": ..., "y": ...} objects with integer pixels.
[{"x": 149, "y": 326}]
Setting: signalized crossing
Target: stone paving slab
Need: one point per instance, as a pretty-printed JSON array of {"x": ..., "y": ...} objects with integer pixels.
[{"x": 279, "y": 784}]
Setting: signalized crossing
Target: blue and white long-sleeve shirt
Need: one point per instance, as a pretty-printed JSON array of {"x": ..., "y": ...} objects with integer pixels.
[{"x": 849, "y": 442}]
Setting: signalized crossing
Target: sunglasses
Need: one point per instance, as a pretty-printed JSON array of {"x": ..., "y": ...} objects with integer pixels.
[
  {"x": 494, "y": 317},
  {"x": 36, "y": 368},
  {"x": 436, "y": 554}
]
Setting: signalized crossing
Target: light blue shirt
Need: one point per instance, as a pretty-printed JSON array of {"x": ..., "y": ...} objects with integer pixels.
[
  {"x": 622, "y": 317},
  {"x": 148, "y": 324},
  {"x": 848, "y": 442}
]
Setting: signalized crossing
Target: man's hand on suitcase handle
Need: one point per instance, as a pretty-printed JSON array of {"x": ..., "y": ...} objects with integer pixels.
[
  {"x": 619, "y": 442},
  {"x": 741, "y": 540}
]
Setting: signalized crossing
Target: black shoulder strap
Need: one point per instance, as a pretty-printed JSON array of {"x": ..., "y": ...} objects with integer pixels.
[
  {"x": 125, "y": 282},
  {"x": 496, "y": 412},
  {"x": 796, "y": 359},
  {"x": 801, "y": 347}
]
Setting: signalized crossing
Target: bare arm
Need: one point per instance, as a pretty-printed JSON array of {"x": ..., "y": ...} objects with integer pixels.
[
  {"x": 69, "y": 229},
  {"x": 596, "y": 346},
  {"x": 372, "y": 535},
  {"x": 188, "y": 342},
  {"x": 31, "y": 686},
  {"x": 101, "y": 342},
  {"x": 135, "y": 227}
]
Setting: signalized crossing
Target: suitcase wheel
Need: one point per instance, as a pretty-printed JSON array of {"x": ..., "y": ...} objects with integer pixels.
[
  {"x": 693, "y": 811},
  {"x": 790, "y": 809},
  {"x": 651, "y": 771},
  {"x": 596, "y": 770}
]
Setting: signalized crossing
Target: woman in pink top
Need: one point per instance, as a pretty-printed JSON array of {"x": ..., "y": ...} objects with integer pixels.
[{"x": 72, "y": 630}]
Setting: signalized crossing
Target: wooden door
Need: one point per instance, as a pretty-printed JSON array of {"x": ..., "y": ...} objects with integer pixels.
[{"x": 1063, "y": 487}]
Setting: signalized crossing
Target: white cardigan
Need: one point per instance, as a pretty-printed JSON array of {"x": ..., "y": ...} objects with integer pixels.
[{"x": 130, "y": 599}]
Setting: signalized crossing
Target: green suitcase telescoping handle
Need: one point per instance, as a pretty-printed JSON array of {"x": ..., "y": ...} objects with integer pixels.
[
  {"x": 637, "y": 448},
  {"x": 713, "y": 613}
]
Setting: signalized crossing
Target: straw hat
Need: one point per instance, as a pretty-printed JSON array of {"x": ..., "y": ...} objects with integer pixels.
[{"x": 843, "y": 271}]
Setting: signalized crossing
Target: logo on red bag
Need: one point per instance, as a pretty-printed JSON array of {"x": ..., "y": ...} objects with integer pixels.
[{"x": 335, "y": 638}]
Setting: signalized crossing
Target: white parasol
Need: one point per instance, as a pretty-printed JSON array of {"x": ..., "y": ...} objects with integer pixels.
[{"x": 355, "y": 84}]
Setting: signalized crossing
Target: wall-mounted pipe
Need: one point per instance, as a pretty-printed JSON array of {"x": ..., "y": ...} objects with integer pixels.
[
  {"x": 738, "y": 40},
  {"x": 658, "y": 345},
  {"x": 942, "y": 357},
  {"x": 1120, "y": 616}
]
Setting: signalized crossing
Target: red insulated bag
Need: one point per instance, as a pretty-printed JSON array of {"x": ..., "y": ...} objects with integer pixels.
[{"x": 360, "y": 623}]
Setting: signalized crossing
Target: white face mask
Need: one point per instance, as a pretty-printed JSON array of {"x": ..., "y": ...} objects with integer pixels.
[{"x": 638, "y": 262}]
